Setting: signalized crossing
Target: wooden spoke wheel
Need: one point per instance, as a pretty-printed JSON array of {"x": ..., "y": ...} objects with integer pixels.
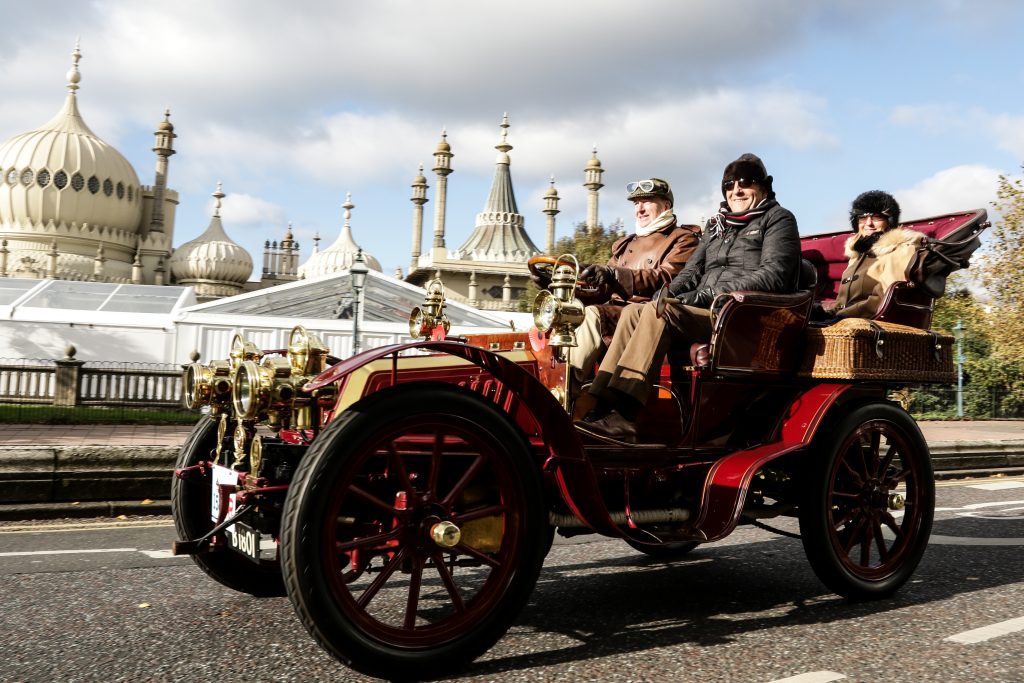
[
  {"x": 868, "y": 513},
  {"x": 414, "y": 531},
  {"x": 191, "y": 504}
]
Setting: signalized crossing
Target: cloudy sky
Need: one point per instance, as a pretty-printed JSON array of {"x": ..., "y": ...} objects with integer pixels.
[{"x": 292, "y": 105}]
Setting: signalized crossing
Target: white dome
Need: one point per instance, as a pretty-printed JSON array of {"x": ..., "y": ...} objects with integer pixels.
[
  {"x": 64, "y": 173},
  {"x": 212, "y": 259},
  {"x": 340, "y": 255}
]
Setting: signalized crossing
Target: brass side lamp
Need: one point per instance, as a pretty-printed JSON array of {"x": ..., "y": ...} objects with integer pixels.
[
  {"x": 556, "y": 310},
  {"x": 424, "y": 319}
]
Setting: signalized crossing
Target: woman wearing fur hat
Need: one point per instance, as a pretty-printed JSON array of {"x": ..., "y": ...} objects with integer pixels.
[{"x": 879, "y": 254}]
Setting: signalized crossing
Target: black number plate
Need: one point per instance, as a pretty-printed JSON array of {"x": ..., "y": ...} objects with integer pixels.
[{"x": 246, "y": 540}]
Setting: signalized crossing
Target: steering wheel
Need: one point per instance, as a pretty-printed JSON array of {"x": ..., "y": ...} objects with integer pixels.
[{"x": 544, "y": 267}]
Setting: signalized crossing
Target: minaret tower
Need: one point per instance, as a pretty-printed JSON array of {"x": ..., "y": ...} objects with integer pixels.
[
  {"x": 442, "y": 167},
  {"x": 592, "y": 181},
  {"x": 551, "y": 208},
  {"x": 419, "y": 198},
  {"x": 164, "y": 148}
]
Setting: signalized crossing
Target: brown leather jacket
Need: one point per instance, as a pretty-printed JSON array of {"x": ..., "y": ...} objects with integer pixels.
[{"x": 642, "y": 265}]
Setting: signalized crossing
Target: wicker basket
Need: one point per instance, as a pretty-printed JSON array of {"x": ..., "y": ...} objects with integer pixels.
[{"x": 855, "y": 348}]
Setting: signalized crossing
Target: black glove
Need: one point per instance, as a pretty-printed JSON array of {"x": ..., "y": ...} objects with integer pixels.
[
  {"x": 698, "y": 298},
  {"x": 542, "y": 281},
  {"x": 598, "y": 275}
]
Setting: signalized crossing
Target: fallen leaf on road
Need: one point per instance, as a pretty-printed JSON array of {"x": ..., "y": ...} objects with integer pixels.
[{"x": 143, "y": 605}]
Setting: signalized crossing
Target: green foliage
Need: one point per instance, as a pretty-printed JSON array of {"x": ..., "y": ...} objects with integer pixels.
[{"x": 1003, "y": 264}]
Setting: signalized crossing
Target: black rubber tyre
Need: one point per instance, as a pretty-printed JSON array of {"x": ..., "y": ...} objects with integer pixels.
[
  {"x": 362, "y": 568},
  {"x": 856, "y": 545},
  {"x": 190, "y": 506},
  {"x": 665, "y": 551}
]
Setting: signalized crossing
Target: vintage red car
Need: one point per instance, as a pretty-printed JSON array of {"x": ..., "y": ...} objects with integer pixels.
[{"x": 405, "y": 498}]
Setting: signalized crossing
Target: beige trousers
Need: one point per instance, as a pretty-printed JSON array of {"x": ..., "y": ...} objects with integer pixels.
[
  {"x": 589, "y": 345},
  {"x": 632, "y": 363}
]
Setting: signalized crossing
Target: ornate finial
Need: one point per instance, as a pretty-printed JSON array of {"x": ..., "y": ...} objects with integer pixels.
[
  {"x": 316, "y": 242},
  {"x": 444, "y": 133},
  {"x": 73, "y": 76},
  {"x": 217, "y": 196},
  {"x": 348, "y": 206},
  {"x": 69, "y": 352},
  {"x": 194, "y": 356},
  {"x": 503, "y": 146},
  {"x": 288, "y": 235}
]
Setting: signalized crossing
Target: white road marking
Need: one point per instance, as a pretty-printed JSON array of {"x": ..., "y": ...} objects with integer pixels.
[
  {"x": 998, "y": 485},
  {"x": 937, "y": 539},
  {"x": 162, "y": 555},
  {"x": 811, "y": 677},
  {"x": 69, "y": 552},
  {"x": 979, "y": 635},
  {"x": 978, "y": 506}
]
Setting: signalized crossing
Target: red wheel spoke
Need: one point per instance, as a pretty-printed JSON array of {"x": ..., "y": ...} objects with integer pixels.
[
  {"x": 415, "y": 581},
  {"x": 850, "y": 514},
  {"x": 473, "y": 552},
  {"x": 396, "y": 463},
  {"x": 865, "y": 545},
  {"x": 449, "y": 583},
  {"x": 371, "y": 499},
  {"x": 854, "y": 535},
  {"x": 368, "y": 541},
  {"x": 883, "y": 552},
  {"x": 890, "y": 522},
  {"x": 890, "y": 453},
  {"x": 464, "y": 480},
  {"x": 491, "y": 511},
  {"x": 858, "y": 480},
  {"x": 381, "y": 579},
  {"x": 435, "y": 463}
]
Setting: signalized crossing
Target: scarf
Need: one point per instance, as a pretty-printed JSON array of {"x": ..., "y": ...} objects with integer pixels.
[
  {"x": 664, "y": 219},
  {"x": 733, "y": 219},
  {"x": 865, "y": 244}
]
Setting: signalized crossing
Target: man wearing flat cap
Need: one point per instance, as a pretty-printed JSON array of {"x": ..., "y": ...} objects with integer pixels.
[
  {"x": 641, "y": 263},
  {"x": 752, "y": 243}
]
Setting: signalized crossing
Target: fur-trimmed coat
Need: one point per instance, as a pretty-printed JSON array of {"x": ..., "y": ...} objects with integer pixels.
[{"x": 869, "y": 275}]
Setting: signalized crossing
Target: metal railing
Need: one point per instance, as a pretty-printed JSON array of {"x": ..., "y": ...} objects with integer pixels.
[{"x": 70, "y": 390}]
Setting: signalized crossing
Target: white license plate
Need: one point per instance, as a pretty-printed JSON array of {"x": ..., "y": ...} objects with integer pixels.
[
  {"x": 245, "y": 540},
  {"x": 222, "y": 475}
]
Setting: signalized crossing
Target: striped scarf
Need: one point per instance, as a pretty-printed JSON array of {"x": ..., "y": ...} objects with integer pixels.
[{"x": 731, "y": 219}]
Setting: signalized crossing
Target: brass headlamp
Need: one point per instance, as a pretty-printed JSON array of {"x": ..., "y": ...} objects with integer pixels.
[
  {"x": 424, "y": 320},
  {"x": 556, "y": 310},
  {"x": 207, "y": 384}
]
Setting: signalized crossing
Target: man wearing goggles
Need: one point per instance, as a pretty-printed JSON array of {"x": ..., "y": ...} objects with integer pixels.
[
  {"x": 751, "y": 244},
  {"x": 640, "y": 264}
]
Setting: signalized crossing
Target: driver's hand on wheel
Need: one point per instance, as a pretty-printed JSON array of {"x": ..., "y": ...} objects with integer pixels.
[
  {"x": 542, "y": 281},
  {"x": 598, "y": 275}
]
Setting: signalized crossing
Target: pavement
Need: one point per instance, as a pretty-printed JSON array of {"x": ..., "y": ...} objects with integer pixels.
[{"x": 965, "y": 448}]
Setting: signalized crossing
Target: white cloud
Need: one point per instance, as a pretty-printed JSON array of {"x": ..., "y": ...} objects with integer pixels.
[
  {"x": 953, "y": 189},
  {"x": 244, "y": 210}
]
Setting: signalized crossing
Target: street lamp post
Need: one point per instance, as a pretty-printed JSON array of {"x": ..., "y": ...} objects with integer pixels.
[
  {"x": 357, "y": 272},
  {"x": 958, "y": 331}
]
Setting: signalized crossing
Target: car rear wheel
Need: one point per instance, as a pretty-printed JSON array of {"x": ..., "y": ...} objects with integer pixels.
[
  {"x": 191, "y": 504},
  {"x": 870, "y": 500},
  {"x": 414, "y": 531}
]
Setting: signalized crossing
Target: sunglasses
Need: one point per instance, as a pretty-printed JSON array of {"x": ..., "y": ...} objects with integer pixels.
[
  {"x": 642, "y": 185},
  {"x": 742, "y": 182},
  {"x": 875, "y": 217}
]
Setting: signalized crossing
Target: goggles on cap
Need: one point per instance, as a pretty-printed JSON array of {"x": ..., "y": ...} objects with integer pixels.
[
  {"x": 742, "y": 182},
  {"x": 642, "y": 185}
]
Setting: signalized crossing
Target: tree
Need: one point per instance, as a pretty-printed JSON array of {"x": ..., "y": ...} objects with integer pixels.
[{"x": 1003, "y": 264}]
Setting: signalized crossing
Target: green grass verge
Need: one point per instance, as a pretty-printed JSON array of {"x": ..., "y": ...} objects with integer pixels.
[{"x": 29, "y": 414}]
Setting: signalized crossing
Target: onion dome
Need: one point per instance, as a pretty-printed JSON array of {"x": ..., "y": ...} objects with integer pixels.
[
  {"x": 212, "y": 263},
  {"x": 499, "y": 233},
  {"x": 63, "y": 172},
  {"x": 340, "y": 255}
]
